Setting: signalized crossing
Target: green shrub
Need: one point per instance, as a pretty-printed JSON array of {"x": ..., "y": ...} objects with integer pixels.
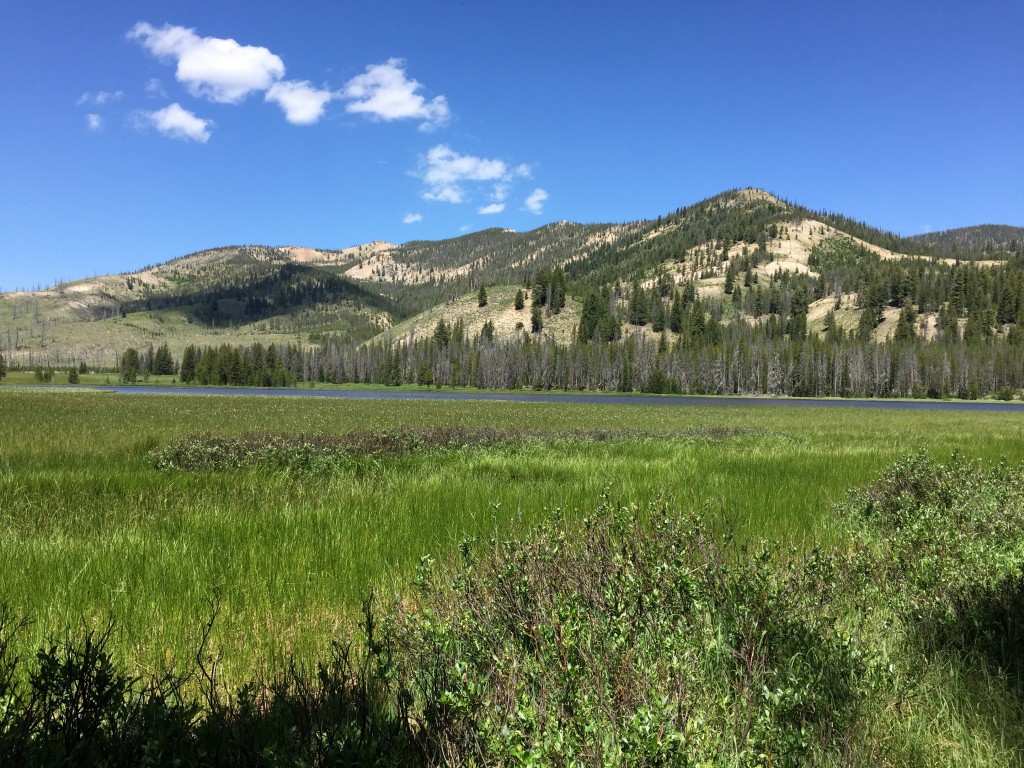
[{"x": 647, "y": 640}]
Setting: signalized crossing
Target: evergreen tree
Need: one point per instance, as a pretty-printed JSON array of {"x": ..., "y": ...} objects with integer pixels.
[
  {"x": 540, "y": 288},
  {"x": 3, "y": 366},
  {"x": 536, "y": 319},
  {"x": 481, "y": 298},
  {"x": 442, "y": 333},
  {"x": 130, "y": 366},
  {"x": 73, "y": 375},
  {"x": 556, "y": 293},
  {"x": 797, "y": 326},
  {"x": 639, "y": 307},
  {"x": 590, "y": 316},
  {"x": 906, "y": 329},
  {"x": 520, "y": 300},
  {"x": 657, "y": 313},
  {"x": 676, "y": 315},
  {"x": 163, "y": 362},
  {"x": 189, "y": 358}
]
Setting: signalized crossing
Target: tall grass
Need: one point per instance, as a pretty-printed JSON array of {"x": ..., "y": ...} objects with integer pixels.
[{"x": 91, "y": 530}]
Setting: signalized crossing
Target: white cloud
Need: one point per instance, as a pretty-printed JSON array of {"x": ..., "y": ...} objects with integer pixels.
[
  {"x": 178, "y": 123},
  {"x": 445, "y": 172},
  {"x": 94, "y": 122},
  {"x": 500, "y": 192},
  {"x": 385, "y": 93},
  {"x": 412, "y": 218},
  {"x": 535, "y": 202},
  {"x": 99, "y": 98},
  {"x": 215, "y": 68},
  {"x": 302, "y": 103},
  {"x": 155, "y": 88},
  {"x": 492, "y": 208}
]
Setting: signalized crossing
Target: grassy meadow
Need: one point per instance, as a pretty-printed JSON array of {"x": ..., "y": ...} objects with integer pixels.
[{"x": 91, "y": 530}]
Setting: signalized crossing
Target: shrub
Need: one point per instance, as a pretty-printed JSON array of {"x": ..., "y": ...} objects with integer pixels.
[{"x": 644, "y": 641}]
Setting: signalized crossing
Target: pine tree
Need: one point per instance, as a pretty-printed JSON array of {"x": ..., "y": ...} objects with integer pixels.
[
  {"x": 590, "y": 316},
  {"x": 905, "y": 328},
  {"x": 163, "y": 362},
  {"x": 481, "y": 298},
  {"x": 442, "y": 333},
  {"x": 189, "y": 358},
  {"x": 3, "y": 366},
  {"x": 639, "y": 307},
  {"x": 536, "y": 319},
  {"x": 675, "y": 317},
  {"x": 657, "y": 313},
  {"x": 130, "y": 365},
  {"x": 520, "y": 300}
]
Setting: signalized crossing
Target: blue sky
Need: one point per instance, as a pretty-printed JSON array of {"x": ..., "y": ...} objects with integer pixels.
[{"x": 134, "y": 132}]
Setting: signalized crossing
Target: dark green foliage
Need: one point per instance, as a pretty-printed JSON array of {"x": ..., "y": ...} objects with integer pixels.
[
  {"x": 947, "y": 545},
  {"x": 536, "y": 319},
  {"x": 130, "y": 366},
  {"x": 189, "y": 360},
  {"x": 481, "y": 297},
  {"x": 657, "y": 313},
  {"x": 263, "y": 289},
  {"x": 163, "y": 362},
  {"x": 520, "y": 300},
  {"x": 316, "y": 453},
  {"x": 906, "y": 328},
  {"x": 639, "y": 305},
  {"x": 73, "y": 375},
  {"x": 442, "y": 333},
  {"x": 79, "y": 707},
  {"x": 3, "y": 366},
  {"x": 646, "y": 641}
]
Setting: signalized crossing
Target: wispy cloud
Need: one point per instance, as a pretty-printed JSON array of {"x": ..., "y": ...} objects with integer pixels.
[
  {"x": 385, "y": 93},
  {"x": 445, "y": 173},
  {"x": 302, "y": 103},
  {"x": 100, "y": 98},
  {"x": 154, "y": 88},
  {"x": 178, "y": 123},
  {"x": 535, "y": 201},
  {"x": 94, "y": 122},
  {"x": 412, "y": 218},
  {"x": 218, "y": 69},
  {"x": 492, "y": 208}
]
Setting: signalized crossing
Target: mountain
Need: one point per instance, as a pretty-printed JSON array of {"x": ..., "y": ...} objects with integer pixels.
[
  {"x": 988, "y": 240},
  {"x": 378, "y": 291}
]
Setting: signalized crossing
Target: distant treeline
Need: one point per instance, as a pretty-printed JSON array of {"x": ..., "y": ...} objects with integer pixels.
[{"x": 740, "y": 361}]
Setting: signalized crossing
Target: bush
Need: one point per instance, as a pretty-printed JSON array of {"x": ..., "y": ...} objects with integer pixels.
[{"x": 641, "y": 642}]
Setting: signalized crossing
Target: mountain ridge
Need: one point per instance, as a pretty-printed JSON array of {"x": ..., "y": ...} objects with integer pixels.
[{"x": 293, "y": 293}]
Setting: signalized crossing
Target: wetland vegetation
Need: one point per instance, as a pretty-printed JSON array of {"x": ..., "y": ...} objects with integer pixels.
[{"x": 553, "y": 582}]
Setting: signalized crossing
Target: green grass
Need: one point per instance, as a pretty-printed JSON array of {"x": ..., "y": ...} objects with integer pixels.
[{"x": 90, "y": 530}]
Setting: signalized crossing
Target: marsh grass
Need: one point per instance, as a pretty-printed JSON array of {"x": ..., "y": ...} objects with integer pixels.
[{"x": 90, "y": 530}]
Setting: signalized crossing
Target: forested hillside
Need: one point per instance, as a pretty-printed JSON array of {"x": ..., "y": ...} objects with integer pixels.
[{"x": 742, "y": 292}]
